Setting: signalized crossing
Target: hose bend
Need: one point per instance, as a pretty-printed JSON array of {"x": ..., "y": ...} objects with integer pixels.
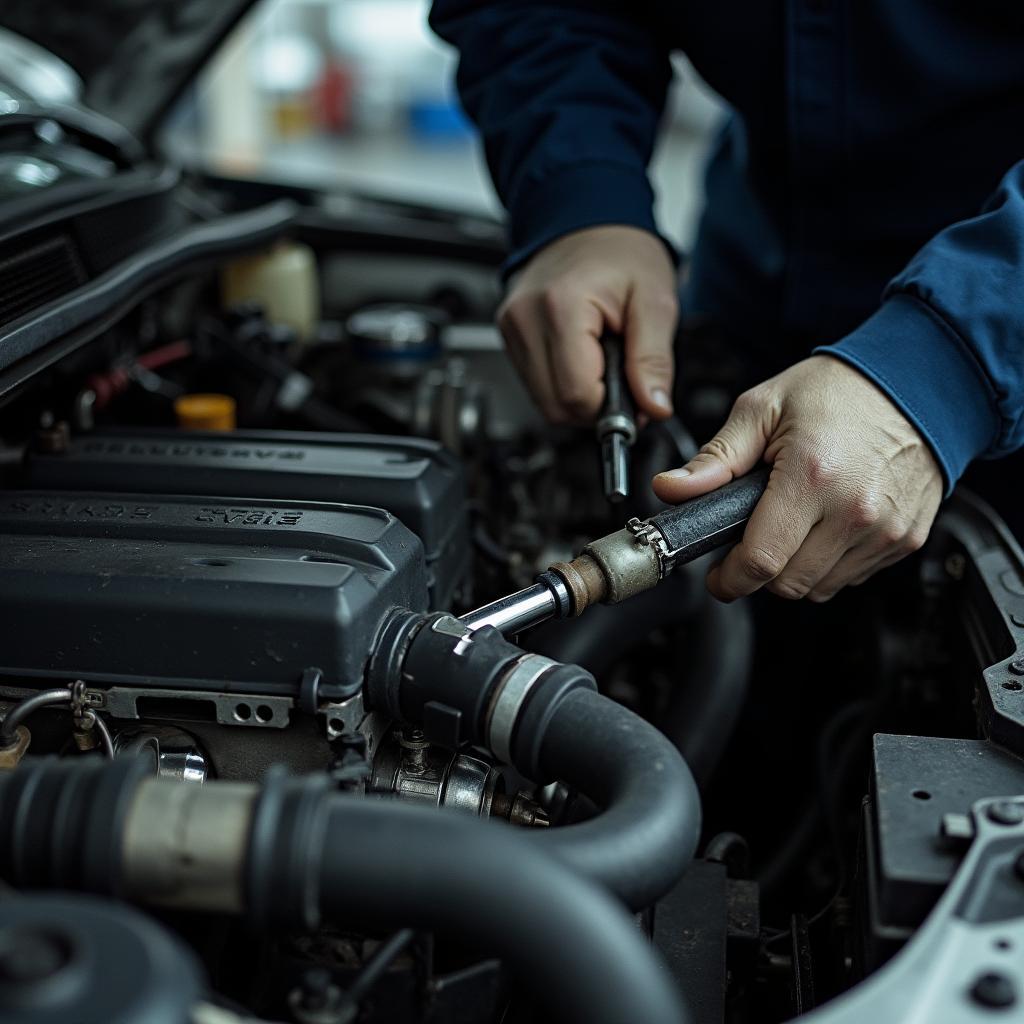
[
  {"x": 648, "y": 828},
  {"x": 547, "y": 721},
  {"x": 293, "y": 853},
  {"x": 575, "y": 946}
]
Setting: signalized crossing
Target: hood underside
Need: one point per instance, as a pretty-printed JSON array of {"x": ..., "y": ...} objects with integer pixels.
[{"x": 135, "y": 56}]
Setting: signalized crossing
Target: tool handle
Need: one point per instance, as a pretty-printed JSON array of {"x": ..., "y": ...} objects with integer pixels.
[
  {"x": 712, "y": 520},
  {"x": 618, "y": 401}
]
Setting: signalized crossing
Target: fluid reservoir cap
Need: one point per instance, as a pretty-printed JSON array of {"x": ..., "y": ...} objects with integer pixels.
[
  {"x": 205, "y": 412},
  {"x": 391, "y": 332}
]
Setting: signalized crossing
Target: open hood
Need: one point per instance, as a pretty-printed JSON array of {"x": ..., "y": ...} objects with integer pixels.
[{"x": 134, "y": 56}]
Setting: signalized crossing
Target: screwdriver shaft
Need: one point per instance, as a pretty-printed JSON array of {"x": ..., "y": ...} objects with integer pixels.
[
  {"x": 616, "y": 424},
  {"x": 615, "y": 462}
]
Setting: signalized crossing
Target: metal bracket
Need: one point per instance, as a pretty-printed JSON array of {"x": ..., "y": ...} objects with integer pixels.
[
  {"x": 964, "y": 963},
  {"x": 262, "y": 712}
]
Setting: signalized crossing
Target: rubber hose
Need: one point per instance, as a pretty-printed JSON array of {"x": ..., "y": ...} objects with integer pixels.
[
  {"x": 312, "y": 855},
  {"x": 609, "y": 632},
  {"x": 400, "y": 865},
  {"x": 703, "y": 712},
  {"x": 706, "y": 703},
  {"x": 647, "y": 833}
]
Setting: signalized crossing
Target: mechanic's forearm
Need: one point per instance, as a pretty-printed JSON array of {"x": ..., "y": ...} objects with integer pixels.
[
  {"x": 567, "y": 97},
  {"x": 947, "y": 346}
]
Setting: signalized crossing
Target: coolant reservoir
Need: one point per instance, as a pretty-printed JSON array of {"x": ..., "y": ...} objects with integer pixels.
[{"x": 283, "y": 281}]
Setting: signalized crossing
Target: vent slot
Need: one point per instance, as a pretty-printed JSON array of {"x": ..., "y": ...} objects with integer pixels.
[{"x": 34, "y": 275}]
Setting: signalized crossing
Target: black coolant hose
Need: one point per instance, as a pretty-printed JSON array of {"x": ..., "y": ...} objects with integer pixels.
[
  {"x": 646, "y": 833},
  {"x": 578, "y": 949},
  {"x": 607, "y": 633},
  {"x": 708, "y": 698},
  {"x": 546, "y": 721},
  {"x": 293, "y": 853},
  {"x": 713, "y": 673}
]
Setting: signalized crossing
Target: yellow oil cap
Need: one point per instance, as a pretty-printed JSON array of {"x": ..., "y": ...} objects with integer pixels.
[{"x": 205, "y": 412}]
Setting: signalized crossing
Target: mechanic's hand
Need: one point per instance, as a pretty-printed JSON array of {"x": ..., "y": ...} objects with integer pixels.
[
  {"x": 853, "y": 488},
  {"x": 616, "y": 278}
]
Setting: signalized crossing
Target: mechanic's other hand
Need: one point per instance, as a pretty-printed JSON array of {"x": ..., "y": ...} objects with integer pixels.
[
  {"x": 853, "y": 487},
  {"x": 613, "y": 278}
]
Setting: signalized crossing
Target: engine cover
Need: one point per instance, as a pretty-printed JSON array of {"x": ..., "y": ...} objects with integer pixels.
[
  {"x": 416, "y": 480},
  {"x": 198, "y": 593}
]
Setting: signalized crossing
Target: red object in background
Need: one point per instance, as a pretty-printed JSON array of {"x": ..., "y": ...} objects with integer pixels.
[
  {"x": 333, "y": 98},
  {"x": 107, "y": 386}
]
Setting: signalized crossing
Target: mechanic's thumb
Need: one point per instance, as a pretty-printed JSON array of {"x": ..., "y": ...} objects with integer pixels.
[
  {"x": 650, "y": 332},
  {"x": 733, "y": 451}
]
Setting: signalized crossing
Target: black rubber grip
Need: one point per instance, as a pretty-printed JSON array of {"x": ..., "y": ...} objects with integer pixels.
[
  {"x": 713, "y": 520},
  {"x": 617, "y": 398}
]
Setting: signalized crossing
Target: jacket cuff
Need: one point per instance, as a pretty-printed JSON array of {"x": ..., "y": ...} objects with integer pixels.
[
  {"x": 928, "y": 371},
  {"x": 577, "y": 197}
]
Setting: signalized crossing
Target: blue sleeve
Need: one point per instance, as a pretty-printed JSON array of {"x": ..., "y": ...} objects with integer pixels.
[
  {"x": 947, "y": 344},
  {"x": 567, "y": 95}
]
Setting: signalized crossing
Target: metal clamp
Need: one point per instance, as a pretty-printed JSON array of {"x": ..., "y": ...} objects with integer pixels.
[
  {"x": 647, "y": 535},
  {"x": 509, "y": 701}
]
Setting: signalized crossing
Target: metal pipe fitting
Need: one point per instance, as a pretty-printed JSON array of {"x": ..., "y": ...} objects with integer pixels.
[
  {"x": 184, "y": 846},
  {"x": 509, "y": 699},
  {"x": 515, "y": 612},
  {"x": 629, "y": 561},
  {"x": 628, "y": 566}
]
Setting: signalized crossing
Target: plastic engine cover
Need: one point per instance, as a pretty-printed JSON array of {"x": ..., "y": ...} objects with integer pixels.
[
  {"x": 414, "y": 479},
  {"x": 199, "y": 593}
]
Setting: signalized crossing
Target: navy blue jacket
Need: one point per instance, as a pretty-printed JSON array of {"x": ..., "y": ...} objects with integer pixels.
[{"x": 867, "y": 193}]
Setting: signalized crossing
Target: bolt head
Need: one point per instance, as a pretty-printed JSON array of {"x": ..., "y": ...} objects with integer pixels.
[
  {"x": 1017, "y": 666},
  {"x": 956, "y": 830},
  {"x": 994, "y": 990},
  {"x": 1006, "y": 812}
]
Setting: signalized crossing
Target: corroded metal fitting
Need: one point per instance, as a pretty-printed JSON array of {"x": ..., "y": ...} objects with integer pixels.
[
  {"x": 584, "y": 580},
  {"x": 627, "y": 566},
  {"x": 610, "y": 569}
]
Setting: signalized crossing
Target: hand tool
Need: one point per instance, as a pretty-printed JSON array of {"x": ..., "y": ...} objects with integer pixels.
[
  {"x": 616, "y": 424},
  {"x": 630, "y": 561}
]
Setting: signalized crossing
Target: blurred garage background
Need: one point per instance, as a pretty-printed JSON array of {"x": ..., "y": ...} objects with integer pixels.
[{"x": 360, "y": 93}]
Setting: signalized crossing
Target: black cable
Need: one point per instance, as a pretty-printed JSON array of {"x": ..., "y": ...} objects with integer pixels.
[
  {"x": 26, "y": 707},
  {"x": 373, "y": 970},
  {"x": 682, "y": 440},
  {"x": 489, "y": 547},
  {"x": 858, "y": 712},
  {"x": 106, "y": 739}
]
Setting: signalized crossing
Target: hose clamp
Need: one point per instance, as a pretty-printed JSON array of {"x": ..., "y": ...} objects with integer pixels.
[
  {"x": 508, "y": 702},
  {"x": 647, "y": 535}
]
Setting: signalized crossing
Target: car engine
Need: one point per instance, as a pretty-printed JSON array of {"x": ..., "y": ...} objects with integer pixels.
[{"x": 259, "y": 760}]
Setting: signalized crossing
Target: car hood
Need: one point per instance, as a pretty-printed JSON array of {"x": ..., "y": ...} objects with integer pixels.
[{"x": 134, "y": 56}]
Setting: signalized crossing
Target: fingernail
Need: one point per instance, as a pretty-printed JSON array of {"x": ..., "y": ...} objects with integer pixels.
[
  {"x": 659, "y": 396},
  {"x": 675, "y": 474}
]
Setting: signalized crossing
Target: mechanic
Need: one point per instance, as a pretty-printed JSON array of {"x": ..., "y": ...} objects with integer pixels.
[{"x": 864, "y": 227}]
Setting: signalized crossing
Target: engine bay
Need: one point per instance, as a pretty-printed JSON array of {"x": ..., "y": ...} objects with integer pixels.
[{"x": 240, "y": 692}]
